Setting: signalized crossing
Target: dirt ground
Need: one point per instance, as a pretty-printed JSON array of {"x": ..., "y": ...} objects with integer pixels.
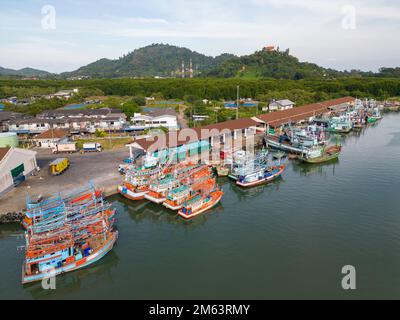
[{"x": 102, "y": 167}]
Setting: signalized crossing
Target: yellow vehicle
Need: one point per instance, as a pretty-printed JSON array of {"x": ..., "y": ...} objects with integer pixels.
[{"x": 58, "y": 166}]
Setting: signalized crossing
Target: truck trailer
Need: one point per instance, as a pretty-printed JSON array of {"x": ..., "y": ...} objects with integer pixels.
[{"x": 69, "y": 147}]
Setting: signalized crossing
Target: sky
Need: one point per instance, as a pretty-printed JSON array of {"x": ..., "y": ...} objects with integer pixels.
[{"x": 63, "y": 35}]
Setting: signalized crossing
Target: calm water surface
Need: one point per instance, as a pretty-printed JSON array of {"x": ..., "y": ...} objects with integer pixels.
[{"x": 288, "y": 239}]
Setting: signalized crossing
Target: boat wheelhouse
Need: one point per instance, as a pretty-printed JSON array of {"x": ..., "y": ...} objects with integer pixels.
[
  {"x": 200, "y": 186},
  {"x": 158, "y": 190},
  {"x": 341, "y": 124},
  {"x": 200, "y": 204}
]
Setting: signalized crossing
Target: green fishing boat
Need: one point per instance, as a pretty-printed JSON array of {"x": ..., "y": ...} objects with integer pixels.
[{"x": 321, "y": 154}]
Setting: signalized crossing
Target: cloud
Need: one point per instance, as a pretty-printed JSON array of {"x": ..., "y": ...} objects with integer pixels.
[{"x": 311, "y": 29}]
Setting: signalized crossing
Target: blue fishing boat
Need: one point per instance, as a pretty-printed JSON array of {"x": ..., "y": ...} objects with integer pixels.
[{"x": 66, "y": 233}]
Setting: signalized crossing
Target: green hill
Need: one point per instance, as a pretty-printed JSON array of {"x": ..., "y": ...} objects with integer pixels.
[
  {"x": 271, "y": 64},
  {"x": 163, "y": 60},
  {"x": 155, "y": 60},
  {"x": 25, "y": 72}
]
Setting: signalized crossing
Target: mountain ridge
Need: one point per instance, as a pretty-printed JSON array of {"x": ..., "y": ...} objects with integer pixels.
[
  {"x": 24, "y": 72},
  {"x": 164, "y": 60}
]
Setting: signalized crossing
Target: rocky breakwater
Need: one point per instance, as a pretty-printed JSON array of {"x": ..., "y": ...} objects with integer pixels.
[{"x": 11, "y": 217}]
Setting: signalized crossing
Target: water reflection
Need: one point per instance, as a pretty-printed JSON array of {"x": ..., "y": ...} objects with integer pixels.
[
  {"x": 144, "y": 210},
  {"x": 12, "y": 229},
  {"x": 321, "y": 169},
  {"x": 257, "y": 191}
]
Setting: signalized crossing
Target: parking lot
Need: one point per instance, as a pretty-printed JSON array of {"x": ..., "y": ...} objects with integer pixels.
[{"x": 102, "y": 167}]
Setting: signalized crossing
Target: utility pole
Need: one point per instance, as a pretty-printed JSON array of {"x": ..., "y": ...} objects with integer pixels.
[
  {"x": 237, "y": 103},
  {"x": 109, "y": 133}
]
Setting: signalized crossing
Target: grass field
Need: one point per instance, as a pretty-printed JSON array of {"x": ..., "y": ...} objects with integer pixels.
[{"x": 106, "y": 143}]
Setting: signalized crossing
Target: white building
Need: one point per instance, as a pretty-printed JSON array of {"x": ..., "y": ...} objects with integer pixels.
[
  {"x": 284, "y": 104},
  {"x": 162, "y": 118},
  {"x": 32, "y": 125},
  {"x": 74, "y": 120},
  {"x": 15, "y": 165},
  {"x": 66, "y": 94},
  {"x": 50, "y": 138}
]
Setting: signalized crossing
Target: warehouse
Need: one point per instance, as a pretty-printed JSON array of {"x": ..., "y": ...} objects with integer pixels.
[
  {"x": 15, "y": 165},
  {"x": 303, "y": 113},
  {"x": 194, "y": 142}
]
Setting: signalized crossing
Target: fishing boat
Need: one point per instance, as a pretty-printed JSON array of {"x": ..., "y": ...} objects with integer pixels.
[
  {"x": 62, "y": 254},
  {"x": 283, "y": 143},
  {"x": 138, "y": 179},
  {"x": 340, "y": 124},
  {"x": 262, "y": 176},
  {"x": 172, "y": 185},
  {"x": 321, "y": 154},
  {"x": 178, "y": 196},
  {"x": 248, "y": 163},
  {"x": 66, "y": 233},
  {"x": 159, "y": 189},
  {"x": 375, "y": 116},
  {"x": 200, "y": 204},
  {"x": 38, "y": 211}
]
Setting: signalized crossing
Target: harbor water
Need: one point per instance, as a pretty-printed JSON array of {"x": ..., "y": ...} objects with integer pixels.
[{"x": 289, "y": 239}]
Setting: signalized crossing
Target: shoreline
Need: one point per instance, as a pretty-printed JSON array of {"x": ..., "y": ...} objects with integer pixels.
[
  {"x": 101, "y": 168},
  {"x": 17, "y": 215}
]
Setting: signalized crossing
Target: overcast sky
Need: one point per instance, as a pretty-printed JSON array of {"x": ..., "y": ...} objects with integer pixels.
[{"x": 352, "y": 34}]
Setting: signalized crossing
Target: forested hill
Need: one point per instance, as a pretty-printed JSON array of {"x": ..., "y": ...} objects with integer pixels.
[
  {"x": 25, "y": 72},
  {"x": 161, "y": 60},
  {"x": 165, "y": 60},
  {"x": 272, "y": 64}
]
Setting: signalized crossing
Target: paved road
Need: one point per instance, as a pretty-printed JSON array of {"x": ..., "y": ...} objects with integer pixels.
[
  {"x": 181, "y": 117},
  {"x": 101, "y": 167}
]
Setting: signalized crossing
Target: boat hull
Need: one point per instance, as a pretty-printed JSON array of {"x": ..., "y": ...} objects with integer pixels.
[
  {"x": 339, "y": 130},
  {"x": 202, "y": 210},
  {"x": 96, "y": 256},
  {"x": 320, "y": 159},
  {"x": 261, "y": 181},
  {"x": 171, "y": 207},
  {"x": 154, "y": 199},
  {"x": 275, "y": 144},
  {"x": 125, "y": 192}
]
